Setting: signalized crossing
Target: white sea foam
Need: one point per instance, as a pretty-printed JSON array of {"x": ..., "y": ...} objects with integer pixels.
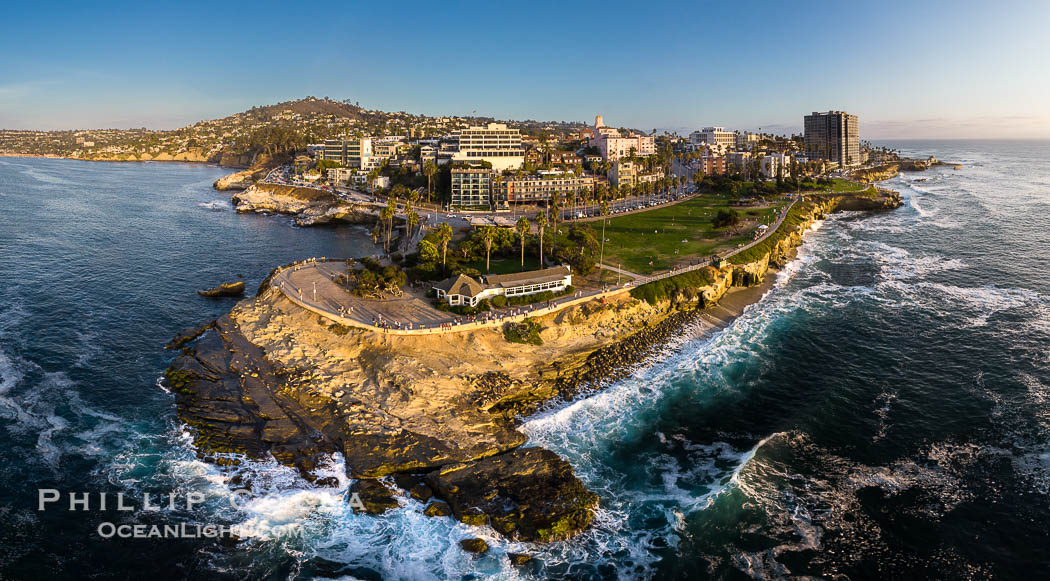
[
  {"x": 215, "y": 205},
  {"x": 898, "y": 264},
  {"x": 980, "y": 302}
]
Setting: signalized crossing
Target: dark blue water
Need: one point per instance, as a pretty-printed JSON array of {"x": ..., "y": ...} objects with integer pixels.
[{"x": 884, "y": 412}]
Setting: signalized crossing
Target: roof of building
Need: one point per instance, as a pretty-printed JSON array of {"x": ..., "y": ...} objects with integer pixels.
[
  {"x": 460, "y": 285},
  {"x": 530, "y": 277}
]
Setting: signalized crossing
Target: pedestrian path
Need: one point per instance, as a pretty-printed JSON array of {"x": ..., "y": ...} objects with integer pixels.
[{"x": 312, "y": 285}]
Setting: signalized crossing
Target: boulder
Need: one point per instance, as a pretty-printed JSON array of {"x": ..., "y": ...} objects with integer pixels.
[
  {"x": 438, "y": 508},
  {"x": 529, "y": 494},
  {"x": 226, "y": 289},
  {"x": 376, "y": 497},
  {"x": 519, "y": 559},
  {"x": 474, "y": 545}
]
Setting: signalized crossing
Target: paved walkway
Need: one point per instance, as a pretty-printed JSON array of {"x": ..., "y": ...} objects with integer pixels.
[{"x": 311, "y": 284}]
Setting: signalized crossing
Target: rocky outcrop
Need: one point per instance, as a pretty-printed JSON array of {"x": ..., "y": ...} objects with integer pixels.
[
  {"x": 240, "y": 180},
  {"x": 877, "y": 174},
  {"x": 529, "y": 494},
  {"x": 310, "y": 206},
  {"x": 815, "y": 207},
  {"x": 226, "y": 289},
  {"x": 892, "y": 169}
]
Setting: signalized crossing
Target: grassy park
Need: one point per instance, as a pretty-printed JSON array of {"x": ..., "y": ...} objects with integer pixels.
[{"x": 655, "y": 240}]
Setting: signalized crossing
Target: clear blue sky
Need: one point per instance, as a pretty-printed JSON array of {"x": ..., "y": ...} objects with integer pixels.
[{"x": 909, "y": 69}]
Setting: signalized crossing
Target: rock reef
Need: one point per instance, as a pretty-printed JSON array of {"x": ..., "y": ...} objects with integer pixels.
[
  {"x": 439, "y": 413},
  {"x": 310, "y": 206},
  {"x": 226, "y": 289}
]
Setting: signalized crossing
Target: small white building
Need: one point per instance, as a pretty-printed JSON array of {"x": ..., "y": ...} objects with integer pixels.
[{"x": 464, "y": 290}]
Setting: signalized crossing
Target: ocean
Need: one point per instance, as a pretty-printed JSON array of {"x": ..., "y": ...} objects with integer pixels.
[{"x": 883, "y": 412}]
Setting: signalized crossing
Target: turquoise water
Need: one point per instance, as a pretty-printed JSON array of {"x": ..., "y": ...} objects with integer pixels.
[{"x": 884, "y": 412}]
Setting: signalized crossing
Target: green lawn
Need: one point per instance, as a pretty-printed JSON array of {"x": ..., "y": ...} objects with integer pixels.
[
  {"x": 841, "y": 185},
  {"x": 636, "y": 240},
  {"x": 506, "y": 265}
]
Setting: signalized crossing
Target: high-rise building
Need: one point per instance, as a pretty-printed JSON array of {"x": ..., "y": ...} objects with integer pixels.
[
  {"x": 351, "y": 152},
  {"x": 495, "y": 144},
  {"x": 472, "y": 187},
  {"x": 833, "y": 136}
]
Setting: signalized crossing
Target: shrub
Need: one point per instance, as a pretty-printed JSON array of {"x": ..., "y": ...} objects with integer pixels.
[
  {"x": 539, "y": 297},
  {"x": 664, "y": 289},
  {"x": 726, "y": 217},
  {"x": 499, "y": 301},
  {"x": 526, "y": 332}
]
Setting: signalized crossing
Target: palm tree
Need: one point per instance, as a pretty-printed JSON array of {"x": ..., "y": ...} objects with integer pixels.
[
  {"x": 429, "y": 170},
  {"x": 488, "y": 235},
  {"x": 523, "y": 228},
  {"x": 541, "y": 225},
  {"x": 410, "y": 226},
  {"x": 444, "y": 236},
  {"x": 388, "y": 214},
  {"x": 372, "y": 176},
  {"x": 555, "y": 207},
  {"x": 604, "y": 208}
]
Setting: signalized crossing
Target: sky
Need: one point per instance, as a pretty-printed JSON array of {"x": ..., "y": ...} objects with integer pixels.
[{"x": 916, "y": 69}]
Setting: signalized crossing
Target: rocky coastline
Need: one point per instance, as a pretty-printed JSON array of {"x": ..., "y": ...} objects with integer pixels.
[
  {"x": 309, "y": 206},
  {"x": 193, "y": 155},
  {"x": 891, "y": 170},
  {"x": 270, "y": 378}
]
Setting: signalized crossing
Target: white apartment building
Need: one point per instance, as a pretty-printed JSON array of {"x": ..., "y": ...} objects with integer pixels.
[
  {"x": 717, "y": 136},
  {"x": 495, "y": 143}
]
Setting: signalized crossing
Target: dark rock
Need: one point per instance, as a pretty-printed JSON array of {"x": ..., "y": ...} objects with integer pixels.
[
  {"x": 519, "y": 559},
  {"x": 414, "y": 485},
  {"x": 186, "y": 335},
  {"x": 226, "y": 289},
  {"x": 528, "y": 494},
  {"x": 374, "y": 495},
  {"x": 421, "y": 492},
  {"x": 473, "y": 516},
  {"x": 438, "y": 508},
  {"x": 474, "y": 545},
  {"x": 327, "y": 481}
]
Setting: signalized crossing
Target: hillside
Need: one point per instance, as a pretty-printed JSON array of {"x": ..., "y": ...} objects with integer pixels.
[{"x": 236, "y": 140}]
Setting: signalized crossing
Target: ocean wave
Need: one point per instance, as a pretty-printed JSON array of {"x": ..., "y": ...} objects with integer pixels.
[
  {"x": 215, "y": 205},
  {"x": 981, "y": 302},
  {"x": 47, "y": 178},
  {"x": 87, "y": 348},
  {"x": 46, "y": 405},
  {"x": 898, "y": 264}
]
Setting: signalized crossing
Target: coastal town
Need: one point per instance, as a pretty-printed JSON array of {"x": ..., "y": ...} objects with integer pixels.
[
  {"x": 614, "y": 208},
  {"x": 512, "y": 265},
  {"x": 454, "y": 291},
  {"x": 509, "y": 270}
]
